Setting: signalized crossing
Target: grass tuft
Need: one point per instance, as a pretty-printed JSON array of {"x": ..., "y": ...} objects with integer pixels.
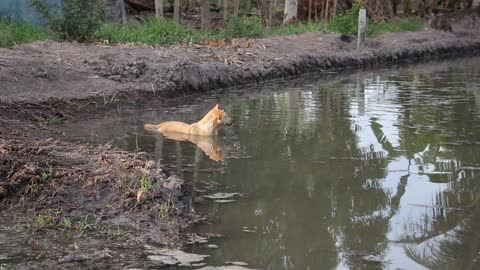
[{"x": 13, "y": 32}]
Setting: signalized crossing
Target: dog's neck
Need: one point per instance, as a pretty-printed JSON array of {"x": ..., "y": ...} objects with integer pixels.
[{"x": 207, "y": 124}]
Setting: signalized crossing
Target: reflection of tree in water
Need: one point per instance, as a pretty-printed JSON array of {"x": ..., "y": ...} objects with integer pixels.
[
  {"x": 441, "y": 133},
  {"x": 328, "y": 183}
]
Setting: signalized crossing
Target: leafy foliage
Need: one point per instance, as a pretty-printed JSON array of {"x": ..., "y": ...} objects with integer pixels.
[
  {"x": 74, "y": 20},
  {"x": 348, "y": 22}
]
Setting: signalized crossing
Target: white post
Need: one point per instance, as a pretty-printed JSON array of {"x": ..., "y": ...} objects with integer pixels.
[
  {"x": 290, "y": 11},
  {"x": 362, "y": 27}
]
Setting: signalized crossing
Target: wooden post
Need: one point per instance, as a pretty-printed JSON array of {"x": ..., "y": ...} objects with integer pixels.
[
  {"x": 362, "y": 27},
  {"x": 159, "y": 8}
]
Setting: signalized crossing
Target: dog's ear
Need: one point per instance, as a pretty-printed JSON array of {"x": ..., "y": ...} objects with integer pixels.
[{"x": 216, "y": 107}]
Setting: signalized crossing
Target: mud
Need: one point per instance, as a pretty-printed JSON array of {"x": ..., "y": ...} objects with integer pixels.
[{"x": 46, "y": 83}]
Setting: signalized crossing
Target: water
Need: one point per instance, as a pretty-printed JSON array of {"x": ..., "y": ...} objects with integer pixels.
[{"x": 383, "y": 163}]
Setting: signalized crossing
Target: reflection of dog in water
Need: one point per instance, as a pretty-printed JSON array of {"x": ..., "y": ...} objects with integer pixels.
[
  {"x": 200, "y": 133},
  {"x": 208, "y": 126},
  {"x": 212, "y": 147}
]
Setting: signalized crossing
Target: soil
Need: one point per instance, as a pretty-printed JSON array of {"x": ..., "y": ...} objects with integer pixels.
[{"x": 47, "y": 82}]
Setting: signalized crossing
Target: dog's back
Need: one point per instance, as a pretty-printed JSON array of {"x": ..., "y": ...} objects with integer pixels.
[{"x": 169, "y": 126}]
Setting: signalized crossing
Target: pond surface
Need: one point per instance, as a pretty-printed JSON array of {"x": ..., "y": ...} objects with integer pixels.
[{"x": 374, "y": 170}]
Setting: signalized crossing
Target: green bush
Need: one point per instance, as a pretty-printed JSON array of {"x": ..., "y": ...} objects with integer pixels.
[
  {"x": 348, "y": 22},
  {"x": 15, "y": 32},
  {"x": 74, "y": 20}
]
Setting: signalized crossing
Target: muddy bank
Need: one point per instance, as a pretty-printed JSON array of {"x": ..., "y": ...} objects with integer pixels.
[
  {"x": 63, "y": 180},
  {"x": 45, "y": 70},
  {"x": 45, "y": 83}
]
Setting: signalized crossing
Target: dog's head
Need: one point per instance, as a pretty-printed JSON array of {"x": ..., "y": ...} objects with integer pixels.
[{"x": 220, "y": 117}]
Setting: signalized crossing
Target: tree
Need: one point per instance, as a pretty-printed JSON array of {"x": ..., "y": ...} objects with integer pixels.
[
  {"x": 158, "y": 8},
  {"x": 205, "y": 13},
  {"x": 176, "y": 10},
  {"x": 248, "y": 5},
  {"x": 290, "y": 14},
  {"x": 264, "y": 7},
  {"x": 225, "y": 10},
  {"x": 236, "y": 6}
]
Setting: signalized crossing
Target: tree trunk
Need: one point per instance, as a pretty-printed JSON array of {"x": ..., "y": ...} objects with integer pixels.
[
  {"x": 236, "y": 6},
  {"x": 327, "y": 15},
  {"x": 123, "y": 11},
  {"x": 309, "y": 10},
  {"x": 159, "y": 8},
  {"x": 248, "y": 6},
  {"x": 270, "y": 12},
  {"x": 263, "y": 6},
  {"x": 191, "y": 5},
  {"x": 225, "y": 10},
  {"x": 176, "y": 10},
  {"x": 394, "y": 7},
  {"x": 205, "y": 14},
  {"x": 290, "y": 14},
  {"x": 334, "y": 11}
]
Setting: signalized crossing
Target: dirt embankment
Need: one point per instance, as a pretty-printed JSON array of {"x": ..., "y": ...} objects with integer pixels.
[{"x": 46, "y": 82}]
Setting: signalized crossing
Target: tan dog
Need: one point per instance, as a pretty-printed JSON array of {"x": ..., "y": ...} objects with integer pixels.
[{"x": 208, "y": 126}]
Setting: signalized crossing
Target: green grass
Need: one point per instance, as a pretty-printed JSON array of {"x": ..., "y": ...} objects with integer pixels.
[
  {"x": 149, "y": 31},
  {"x": 146, "y": 184},
  {"x": 161, "y": 31},
  {"x": 395, "y": 25},
  {"x": 14, "y": 32},
  {"x": 298, "y": 28}
]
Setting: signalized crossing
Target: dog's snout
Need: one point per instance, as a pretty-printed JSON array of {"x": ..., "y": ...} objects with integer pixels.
[{"x": 229, "y": 121}]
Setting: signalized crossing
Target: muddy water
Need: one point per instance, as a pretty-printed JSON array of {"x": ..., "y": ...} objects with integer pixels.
[{"x": 374, "y": 170}]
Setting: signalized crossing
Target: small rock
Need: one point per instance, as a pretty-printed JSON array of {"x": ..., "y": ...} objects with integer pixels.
[
  {"x": 237, "y": 263},
  {"x": 373, "y": 258},
  {"x": 222, "y": 195},
  {"x": 224, "y": 201},
  {"x": 213, "y": 246},
  {"x": 149, "y": 164}
]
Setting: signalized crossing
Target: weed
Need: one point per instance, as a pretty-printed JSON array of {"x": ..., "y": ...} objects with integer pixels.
[
  {"x": 66, "y": 224},
  {"x": 166, "y": 208},
  {"x": 146, "y": 184},
  {"x": 44, "y": 176},
  {"x": 55, "y": 120},
  {"x": 87, "y": 223},
  {"x": 44, "y": 221},
  {"x": 14, "y": 32}
]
